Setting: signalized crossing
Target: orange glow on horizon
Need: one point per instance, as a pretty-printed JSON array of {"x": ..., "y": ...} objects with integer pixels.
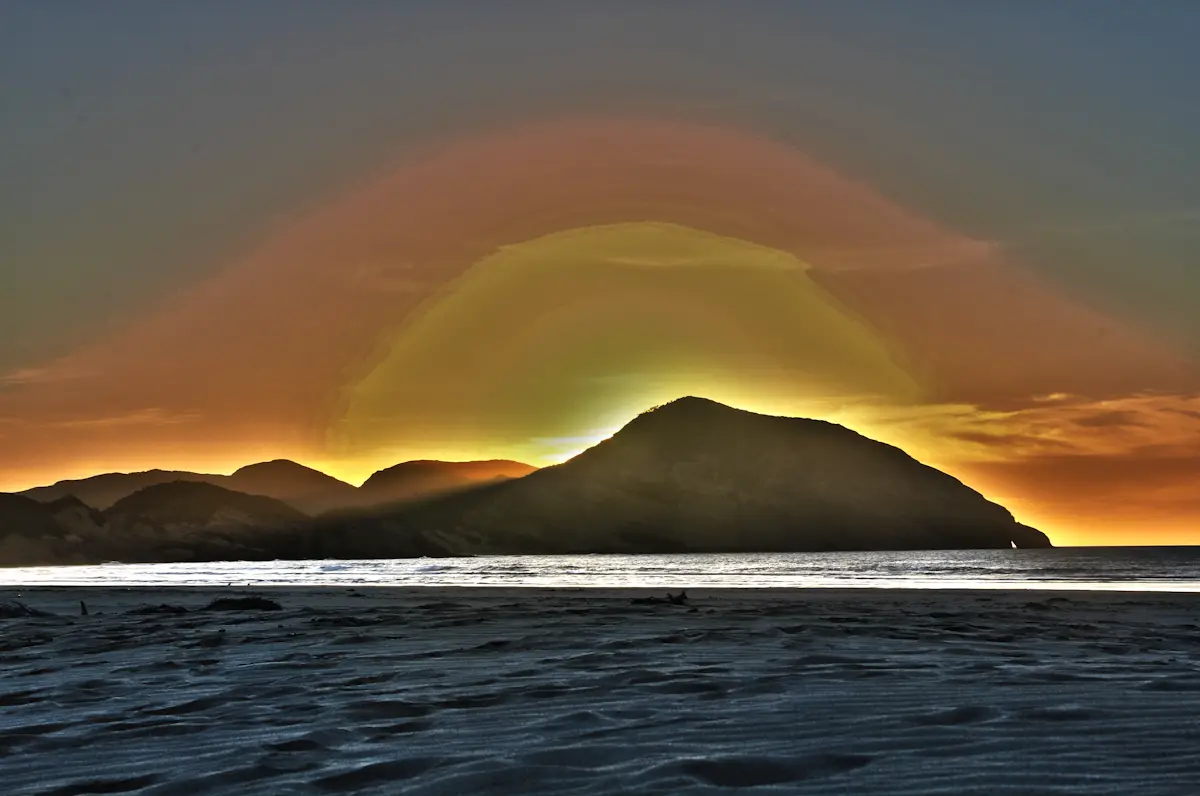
[
  {"x": 522, "y": 294},
  {"x": 1064, "y": 530}
]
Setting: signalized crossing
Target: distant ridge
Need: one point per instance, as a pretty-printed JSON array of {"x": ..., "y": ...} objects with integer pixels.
[
  {"x": 304, "y": 488},
  {"x": 309, "y": 490},
  {"x": 423, "y": 478},
  {"x": 29, "y": 534},
  {"x": 695, "y": 475},
  {"x": 690, "y": 476},
  {"x": 101, "y": 491},
  {"x": 200, "y": 503}
]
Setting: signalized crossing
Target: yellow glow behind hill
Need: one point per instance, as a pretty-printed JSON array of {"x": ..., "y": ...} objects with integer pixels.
[{"x": 548, "y": 346}]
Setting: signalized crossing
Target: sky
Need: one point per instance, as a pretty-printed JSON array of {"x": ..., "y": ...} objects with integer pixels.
[{"x": 353, "y": 234}]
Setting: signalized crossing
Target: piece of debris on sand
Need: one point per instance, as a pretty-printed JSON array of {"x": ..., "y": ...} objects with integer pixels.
[
  {"x": 670, "y": 599},
  {"x": 243, "y": 604}
]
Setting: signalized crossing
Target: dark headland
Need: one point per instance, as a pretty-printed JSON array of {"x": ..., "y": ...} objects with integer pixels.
[{"x": 690, "y": 476}]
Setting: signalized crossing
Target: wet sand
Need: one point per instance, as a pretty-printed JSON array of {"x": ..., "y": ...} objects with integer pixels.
[{"x": 515, "y": 691}]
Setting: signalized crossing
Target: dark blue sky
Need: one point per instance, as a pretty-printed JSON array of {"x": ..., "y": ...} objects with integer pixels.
[{"x": 141, "y": 144}]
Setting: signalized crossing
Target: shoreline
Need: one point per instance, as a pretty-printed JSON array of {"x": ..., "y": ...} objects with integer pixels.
[
  {"x": 934, "y": 585},
  {"x": 488, "y": 591},
  {"x": 1142, "y": 570}
]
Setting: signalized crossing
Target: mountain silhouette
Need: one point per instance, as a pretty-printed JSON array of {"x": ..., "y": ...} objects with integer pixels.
[
  {"x": 695, "y": 475},
  {"x": 173, "y": 521},
  {"x": 304, "y": 488},
  {"x": 101, "y": 491},
  {"x": 690, "y": 476},
  {"x": 199, "y": 503},
  {"x": 424, "y": 478},
  {"x": 193, "y": 520},
  {"x": 29, "y": 533},
  {"x": 75, "y": 516},
  {"x": 309, "y": 490}
]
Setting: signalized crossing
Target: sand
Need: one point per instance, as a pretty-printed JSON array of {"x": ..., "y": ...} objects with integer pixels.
[{"x": 516, "y": 691}]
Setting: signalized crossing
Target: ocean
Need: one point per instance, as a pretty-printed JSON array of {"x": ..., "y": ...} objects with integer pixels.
[{"x": 1162, "y": 569}]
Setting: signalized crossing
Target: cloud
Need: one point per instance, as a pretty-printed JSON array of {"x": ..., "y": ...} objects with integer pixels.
[
  {"x": 1131, "y": 484},
  {"x": 894, "y": 258},
  {"x": 1054, "y": 398},
  {"x": 1185, "y": 217},
  {"x": 24, "y": 376},
  {"x": 1112, "y": 419},
  {"x": 43, "y": 375},
  {"x": 1111, "y": 471},
  {"x": 1169, "y": 424},
  {"x": 141, "y": 417},
  {"x": 781, "y": 263},
  {"x": 400, "y": 277},
  {"x": 1010, "y": 441}
]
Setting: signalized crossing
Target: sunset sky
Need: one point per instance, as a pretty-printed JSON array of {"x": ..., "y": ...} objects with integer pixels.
[{"x": 354, "y": 234}]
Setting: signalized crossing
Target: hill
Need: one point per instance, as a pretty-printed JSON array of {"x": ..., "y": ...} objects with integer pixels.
[
  {"x": 309, "y": 490},
  {"x": 174, "y": 521},
  {"x": 101, "y": 491},
  {"x": 29, "y": 533},
  {"x": 304, "y": 488},
  {"x": 695, "y": 475},
  {"x": 196, "y": 521},
  {"x": 690, "y": 476},
  {"x": 199, "y": 503},
  {"x": 424, "y": 478}
]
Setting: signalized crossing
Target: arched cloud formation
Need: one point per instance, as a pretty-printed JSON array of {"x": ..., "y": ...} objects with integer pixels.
[{"x": 719, "y": 259}]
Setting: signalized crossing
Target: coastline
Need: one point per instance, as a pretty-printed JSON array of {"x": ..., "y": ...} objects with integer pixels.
[
  {"x": 1157, "y": 569},
  {"x": 528, "y": 690}
]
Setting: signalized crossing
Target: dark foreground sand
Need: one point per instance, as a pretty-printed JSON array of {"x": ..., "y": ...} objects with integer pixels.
[{"x": 435, "y": 691}]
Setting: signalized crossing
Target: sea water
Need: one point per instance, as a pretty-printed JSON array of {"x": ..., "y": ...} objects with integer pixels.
[{"x": 1170, "y": 569}]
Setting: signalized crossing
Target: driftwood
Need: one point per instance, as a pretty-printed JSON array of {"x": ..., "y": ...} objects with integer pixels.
[{"x": 670, "y": 599}]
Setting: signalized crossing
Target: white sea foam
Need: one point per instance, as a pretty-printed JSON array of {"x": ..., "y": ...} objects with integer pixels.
[{"x": 1163, "y": 569}]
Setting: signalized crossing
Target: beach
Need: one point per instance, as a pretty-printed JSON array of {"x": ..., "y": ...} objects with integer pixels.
[{"x": 597, "y": 691}]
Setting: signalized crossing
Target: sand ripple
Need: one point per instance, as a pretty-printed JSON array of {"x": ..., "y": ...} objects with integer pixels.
[{"x": 587, "y": 692}]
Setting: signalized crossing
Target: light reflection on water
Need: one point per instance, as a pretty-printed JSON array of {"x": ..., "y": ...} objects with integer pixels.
[{"x": 1169, "y": 569}]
